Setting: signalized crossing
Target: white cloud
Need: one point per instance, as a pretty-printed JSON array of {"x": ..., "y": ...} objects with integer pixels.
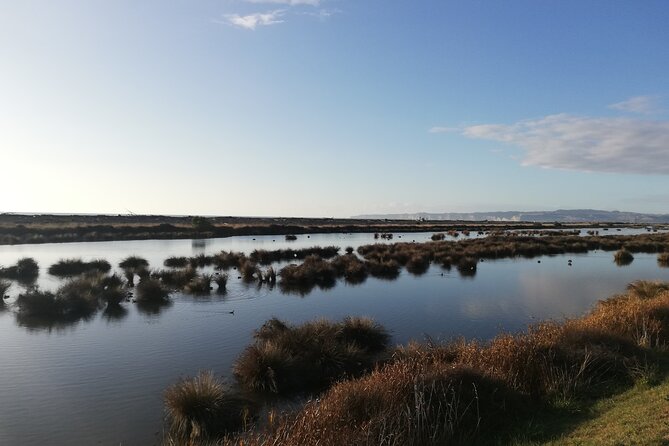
[
  {"x": 638, "y": 104},
  {"x": 251, "y": 21},
  {"x": 439, "y": 129},
  {"x": 288, "y": 2},
  {"x": 563, "y": 141}
]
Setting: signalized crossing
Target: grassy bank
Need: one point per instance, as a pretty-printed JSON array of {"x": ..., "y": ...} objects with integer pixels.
[{"x": 584, "y": 381}]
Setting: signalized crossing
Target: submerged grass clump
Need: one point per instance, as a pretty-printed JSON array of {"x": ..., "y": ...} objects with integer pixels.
[
  {"x": 221, "y": 281},
  {"x": 265, "y": 257},
  {"x": 203, "y": 407},
  {"x": 292, "y": 359},
  {"x": 175, "y": 278},
  {"x": 75, "y": 267}
]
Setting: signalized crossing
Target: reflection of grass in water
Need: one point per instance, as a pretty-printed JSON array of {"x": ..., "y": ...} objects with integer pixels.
[{"x": 176, "y": 262}]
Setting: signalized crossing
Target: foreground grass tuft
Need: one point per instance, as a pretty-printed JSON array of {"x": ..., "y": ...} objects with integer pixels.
[
  {"x": 292, "y": 359},
  {"x": 203, "y": 407}
]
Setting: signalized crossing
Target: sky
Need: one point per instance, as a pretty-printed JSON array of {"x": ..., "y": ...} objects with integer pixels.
[{"x": 333, "y": 108}]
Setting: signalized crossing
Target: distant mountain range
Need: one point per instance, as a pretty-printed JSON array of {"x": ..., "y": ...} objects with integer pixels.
[{"x": 561, "y": 215}]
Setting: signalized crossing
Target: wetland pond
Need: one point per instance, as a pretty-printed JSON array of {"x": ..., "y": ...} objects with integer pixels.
[{"x": 101, "y": 380}]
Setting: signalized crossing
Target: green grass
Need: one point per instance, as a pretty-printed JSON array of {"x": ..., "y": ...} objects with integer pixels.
[{"x": 638, "y": 416}]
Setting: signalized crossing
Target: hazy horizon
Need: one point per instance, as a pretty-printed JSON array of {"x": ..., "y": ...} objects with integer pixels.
[{"x": 333, "y": 108}]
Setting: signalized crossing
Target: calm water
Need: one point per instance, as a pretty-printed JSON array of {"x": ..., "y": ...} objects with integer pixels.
[{"x": 100, "y": 381}]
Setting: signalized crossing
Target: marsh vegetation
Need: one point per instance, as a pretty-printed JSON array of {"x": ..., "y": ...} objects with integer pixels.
[{"x": 453, "y": 392}]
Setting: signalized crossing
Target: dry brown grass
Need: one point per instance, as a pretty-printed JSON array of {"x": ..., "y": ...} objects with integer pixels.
[{"x": 461, "y": 391}]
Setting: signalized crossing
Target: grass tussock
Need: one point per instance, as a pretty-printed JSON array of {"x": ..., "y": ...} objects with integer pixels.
[
  {"x": 203, "y": 407},
  {"x": 75, "y": 267},
  {"x": 200, "y": 284},
  {"x": 78, "y": 298},
  {"x": 314, "y": 271},
  {"x": 221, "y": 281},
  {"x": 200, "y": 261},
  {"x": 151, "y": 291},
  {"x": 469, "y": 392},
  {"x": 179, "y": 278},
  {"x": 133, "y": 263},
  {"x": 291, "y": 237},
  {"x": 26, "y": 270},
  {"x": 623, "y": 257},
  {"x": 176, "y": 262},
  {"x": 663, "y": 259},
  {"x": 289, "y": 359}
]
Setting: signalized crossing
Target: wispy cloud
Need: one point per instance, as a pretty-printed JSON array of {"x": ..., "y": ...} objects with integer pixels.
[
  {"x": 252, "y": 21},
  {"x": 443, "y": 129},
  {"x": 637, "y": 104},
  {"x": 563, "y": 141},
  {"x": 288, "y": 2}
]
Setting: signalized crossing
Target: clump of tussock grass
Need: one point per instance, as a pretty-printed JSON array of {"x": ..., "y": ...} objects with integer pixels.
[
  {"x": 203, "y": 407},
  {"x": 26, "y": 270},
  {"x": 200, "y": 284},
  {"x": 351, "y": 268},
  {"x": 221, "y": 281},
  {"x": 151, "y": 291},
  {"x": 383, "y": 269},
  {"x": 75, "y": 267},
  {"x": 225, "y": 260},
  {"x": 265, "y": 257},
  {"x": 291, "y": 237},
  {"x": 418, "y": 264},
  {"x": 200, "y": 261},
  {"x": 314, "y": 271},
  {"x": 438, "y": 236},
  {"x": 176, "y": 262},
  {"x": 663, "y": 259},
  {"x": 249, "y": 271},
  {"x": 467, "y": 266},
  {"x": 286, "y": 359},
  {"x": 78, "y": 298},
  {"x": 349, "y": 250},
  {"x": 134, "y": 263},
  {"x": 623, "y": 257},
  {"x": 179, "y": 278},
  {"x": 647, "y": 289}
]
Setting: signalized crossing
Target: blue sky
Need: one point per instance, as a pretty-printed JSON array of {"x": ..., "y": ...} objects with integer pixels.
[{"x": 333, "y": 107}]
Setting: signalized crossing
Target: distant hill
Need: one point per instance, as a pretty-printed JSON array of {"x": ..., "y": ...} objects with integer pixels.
[{"x": 561, "y": 215}]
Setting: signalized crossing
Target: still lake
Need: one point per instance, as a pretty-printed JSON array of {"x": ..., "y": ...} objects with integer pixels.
[{"x": 100, "y": 381}]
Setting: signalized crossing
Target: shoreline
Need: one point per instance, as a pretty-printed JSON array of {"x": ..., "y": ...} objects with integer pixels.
[{"x": 17, "y": 229}]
